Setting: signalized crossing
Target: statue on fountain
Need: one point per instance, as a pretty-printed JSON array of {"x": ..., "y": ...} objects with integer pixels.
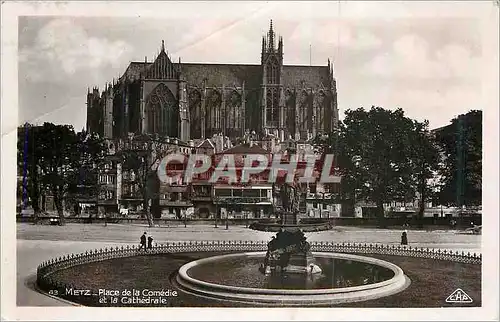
[{"x": 289, "y": 250}]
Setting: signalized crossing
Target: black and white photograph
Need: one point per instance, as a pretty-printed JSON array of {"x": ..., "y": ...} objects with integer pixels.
[{"x": 290, "y": 160}]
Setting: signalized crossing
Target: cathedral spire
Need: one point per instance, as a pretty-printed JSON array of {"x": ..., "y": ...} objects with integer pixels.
[
  {"x": 271, "y": 36},
  {"x": 162, "y": 45}
]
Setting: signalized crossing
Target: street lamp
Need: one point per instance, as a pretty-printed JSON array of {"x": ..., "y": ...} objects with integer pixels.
[
  {"x": 321, "y": 207},
  {"x": 216, "y": 211},
  {"x": 227, "y": 218}
]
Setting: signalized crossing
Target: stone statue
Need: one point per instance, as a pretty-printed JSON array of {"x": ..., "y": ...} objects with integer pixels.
[
  {"x": 290, "y": 252},
  {"x": 289, "y": 196}
]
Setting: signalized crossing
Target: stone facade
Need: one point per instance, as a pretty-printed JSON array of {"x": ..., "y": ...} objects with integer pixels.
[{"x": 196, "y": 101}]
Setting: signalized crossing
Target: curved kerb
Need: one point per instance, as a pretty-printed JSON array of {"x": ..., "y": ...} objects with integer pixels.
[
  {"x": 292, "y": 297},
  {"x": 45, "y": 270}
]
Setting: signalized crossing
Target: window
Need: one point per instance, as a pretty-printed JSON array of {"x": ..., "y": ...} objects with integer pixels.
[
  {"x": 223, "y": 192},
  {"x": 325, "y": 206},
  {"x": 160, "y": 109},
  {"x": 272, "y": 105},
  {"x": 272, "y": 71},
  {"x": 253, "y": 193}
]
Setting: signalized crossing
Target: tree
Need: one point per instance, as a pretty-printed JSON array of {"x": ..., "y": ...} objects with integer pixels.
[
  {"x": 27, "y": 152},
  {"x": 92, "y": 151},
  {"x": 54, "y": 160},
  {"x": 381, "y": 156},
  {"x": 58, "y": 160},
  {"x": 425, "y": 161},
  {"x": 461, "y": 147},
  {"x": 143, "y": 160}
]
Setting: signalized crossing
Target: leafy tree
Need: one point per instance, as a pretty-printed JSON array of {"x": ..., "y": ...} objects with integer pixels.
[
  {"x": 425, "y": 160},
  {"x": 54, "y": 157},
  {"x": 382, "y": 156},
  {"x": 27, "y": 152},
  {"x": 144, "y": 160},
  {"x": 461, "y": 147},
  {"x": 92, "y": 151},
  {"x": 58, "y": 160}
]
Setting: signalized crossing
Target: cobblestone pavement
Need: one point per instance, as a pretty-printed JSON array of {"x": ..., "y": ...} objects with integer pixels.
[{"x": 36, "y": 243}]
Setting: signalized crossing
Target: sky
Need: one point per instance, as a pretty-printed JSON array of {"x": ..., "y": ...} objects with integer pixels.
[{"x": 426, "y": 58}]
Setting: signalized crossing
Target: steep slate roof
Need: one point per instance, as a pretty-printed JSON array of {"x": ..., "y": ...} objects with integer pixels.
[
  {"x": 234, "y": 74},
  {"x": 134, "y": 70},
  {"x": 218, "y": 74},
  {"x": 312, "y": 76}
]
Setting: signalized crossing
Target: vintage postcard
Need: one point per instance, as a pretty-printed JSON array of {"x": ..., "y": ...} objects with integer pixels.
[{"x": 287, "y": 160}]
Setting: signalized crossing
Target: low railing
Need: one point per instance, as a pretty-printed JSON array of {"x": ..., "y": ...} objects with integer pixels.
[
  {"x": 47, "y": 283},
  {"x": 48, "y": 267}
]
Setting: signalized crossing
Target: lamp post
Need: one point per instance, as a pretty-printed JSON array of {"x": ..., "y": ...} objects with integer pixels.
[
  {"x": 321, "y": 207},
  {"x": 322, "y": 200},
  {"x": 227, "y": 218},
  {"x": 216, "y": 211}
]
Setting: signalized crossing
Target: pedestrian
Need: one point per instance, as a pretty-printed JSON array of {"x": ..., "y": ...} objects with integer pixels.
[
  {"x": 150, "y": 242},
  {"x": 143, "y": 241},
  {"x": 404, "y": 238}
]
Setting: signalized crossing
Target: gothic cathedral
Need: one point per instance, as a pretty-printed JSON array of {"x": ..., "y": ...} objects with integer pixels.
[{"x": 196, "y": 101}]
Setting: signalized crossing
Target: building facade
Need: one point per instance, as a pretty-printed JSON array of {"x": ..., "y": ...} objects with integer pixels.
[{"x": 196, "y": 101}]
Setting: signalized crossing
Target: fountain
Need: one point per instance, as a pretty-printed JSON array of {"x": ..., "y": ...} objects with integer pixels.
[
  {"x": 289, "y": 273},
  {"x": 289, "y": 250}
]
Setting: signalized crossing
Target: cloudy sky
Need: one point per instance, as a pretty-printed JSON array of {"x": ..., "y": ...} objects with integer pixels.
[{"x": 426, "y": 58}]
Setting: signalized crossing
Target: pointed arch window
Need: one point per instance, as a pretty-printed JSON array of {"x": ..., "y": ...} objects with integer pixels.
[
  {"x": 321, "y": 110},
  {"x": 195, "y": 112},
  {"x": 304, "y": 110},
  {"x": 272, "y": 103},
  {"x": 235, "y": 110},
  {"x": 272, "y": 71},
  {"x": 214, "y": 109},
  {"x": 161, "y": 109}
]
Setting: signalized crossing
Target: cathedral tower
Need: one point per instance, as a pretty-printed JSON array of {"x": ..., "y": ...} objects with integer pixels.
[{"x": 272, "y": 96}]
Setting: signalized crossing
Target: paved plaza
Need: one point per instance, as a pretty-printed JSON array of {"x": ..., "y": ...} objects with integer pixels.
[{"x": 37, "y": 243}]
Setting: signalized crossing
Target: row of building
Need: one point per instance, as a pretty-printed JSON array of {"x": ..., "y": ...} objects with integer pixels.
[{"x": 121, "y": 187}]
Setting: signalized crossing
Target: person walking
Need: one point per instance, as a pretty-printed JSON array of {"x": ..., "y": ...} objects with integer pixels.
[
  {"x": 404, "y": 238},
  {"x": 150, "y": 242},
  {"x": 143, "y": 241}
]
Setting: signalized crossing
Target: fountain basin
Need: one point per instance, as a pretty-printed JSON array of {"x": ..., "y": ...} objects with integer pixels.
[{"x": 214, "y": 278}]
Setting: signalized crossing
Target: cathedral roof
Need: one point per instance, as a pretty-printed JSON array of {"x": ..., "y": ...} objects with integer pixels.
[
  {"x": 218, "y": 74},
  {"x": 312, "y": 76},
  {"x": 135, "y": 69},
  {"x": 236, "y": 74}
]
